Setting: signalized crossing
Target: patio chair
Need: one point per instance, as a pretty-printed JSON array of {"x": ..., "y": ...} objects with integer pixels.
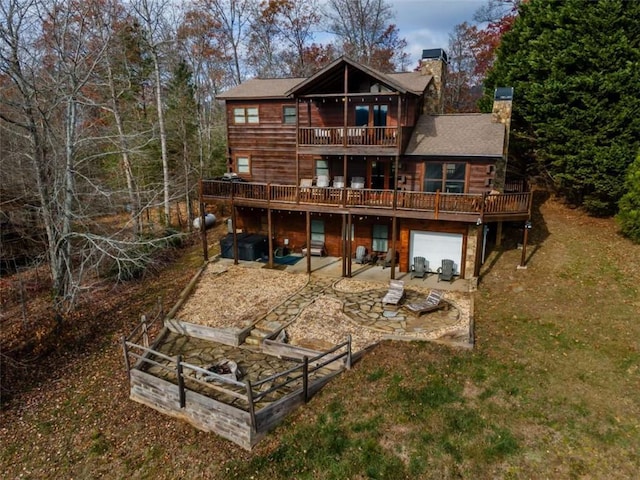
[
  {"x": 419, "y": 267},
  {"x": 445, "y": 272},
  {"x": 434, "y": 301},
  {"x": 322, "y": 181},
  {"x": 395, "y": 293},
  {"x": 361, "y": 255},
  {"x": 388, "y": 258}
]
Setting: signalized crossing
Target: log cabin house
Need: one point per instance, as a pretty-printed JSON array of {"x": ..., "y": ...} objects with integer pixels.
[{"x": 354, "y": 157}]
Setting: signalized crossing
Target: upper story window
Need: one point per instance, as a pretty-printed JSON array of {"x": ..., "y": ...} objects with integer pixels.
[
  {"x": 289, "y": 114},
  {"x": 378, "y": 88},
  {"x": 446, "y": 177},
  {"x": 362, "y": 115},
  {"x": 245, "y": 115}
]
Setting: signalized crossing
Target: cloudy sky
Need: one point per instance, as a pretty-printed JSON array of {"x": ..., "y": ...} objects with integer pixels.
[{"x": 427, "y": 23}]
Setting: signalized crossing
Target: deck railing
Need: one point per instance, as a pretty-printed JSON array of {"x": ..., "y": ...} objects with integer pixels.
[
  {"x": 455, "y": 203},
  {"x": 367, "y": 136}
]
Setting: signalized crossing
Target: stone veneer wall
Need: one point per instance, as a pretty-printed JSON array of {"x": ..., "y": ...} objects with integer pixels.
[
  {"x": 434, "y": 97},
  {"x": 502, "y": 114},
  {"x": 472, "y": 248}
]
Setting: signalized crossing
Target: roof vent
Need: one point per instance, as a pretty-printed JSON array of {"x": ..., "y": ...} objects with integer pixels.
[
  {"x": 504, "y": 93},
  {"x": 434, "y": 54}
]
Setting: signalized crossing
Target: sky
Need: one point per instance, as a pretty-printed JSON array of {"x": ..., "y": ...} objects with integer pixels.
[{"x": 427, "y": 23}]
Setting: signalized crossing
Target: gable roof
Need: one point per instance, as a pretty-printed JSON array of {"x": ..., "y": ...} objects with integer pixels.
[
  {"x": 471, "y": 134},
  {"x": 405, "y": 82},
  {"x": 274, "y": 88},
  {"x": 261, "y": 88}
]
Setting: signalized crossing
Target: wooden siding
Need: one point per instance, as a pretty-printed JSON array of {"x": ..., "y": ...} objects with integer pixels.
[{"x": 270, "y": 144}]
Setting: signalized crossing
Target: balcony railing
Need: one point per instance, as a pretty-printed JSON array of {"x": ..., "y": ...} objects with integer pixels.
[
  {"x": 355, "y": 136},
  {"x": 446, "y": 203}
]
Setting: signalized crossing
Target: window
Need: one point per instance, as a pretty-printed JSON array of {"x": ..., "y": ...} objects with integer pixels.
[
  {"x": 245, "y": 115},
  {"x": 378, "y": 88},
  {"x": 322, "y": 168},
  {"x": 380, "y": 241},
  {"x": 289, "y": 115},
  {"x": 362, "y": 115},
  {"x": 243, "y": 165},
  {"x": 446, "y": 177},
  {"x": 317, "y": 230}
]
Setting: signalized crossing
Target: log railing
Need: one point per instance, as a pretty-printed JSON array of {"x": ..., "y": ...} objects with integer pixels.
[
  {"x": 368, "y": 136},
  {"x": 452, "y": 203}
]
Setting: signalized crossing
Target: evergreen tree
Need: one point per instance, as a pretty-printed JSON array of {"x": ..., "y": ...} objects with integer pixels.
[
  {"x": 575, "y": 68},
  {"x": 629, "y": 215}
]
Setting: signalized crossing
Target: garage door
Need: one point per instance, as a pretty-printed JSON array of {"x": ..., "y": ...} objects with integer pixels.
[{"x": 435, "y": 246}]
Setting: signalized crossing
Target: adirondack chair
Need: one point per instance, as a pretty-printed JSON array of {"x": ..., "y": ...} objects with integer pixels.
[
  {"x": 434, "y": 301},
  {"x": 388, "y": 258},
  {"x": 445, "y": 272},
  {"x": 361, "y": 254},
  {"x": 419, "y": 267}
]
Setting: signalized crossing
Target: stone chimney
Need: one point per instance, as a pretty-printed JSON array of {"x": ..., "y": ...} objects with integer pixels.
[
  {"x": 434, "y": 63},
  {"x": 501, "y": 113}
]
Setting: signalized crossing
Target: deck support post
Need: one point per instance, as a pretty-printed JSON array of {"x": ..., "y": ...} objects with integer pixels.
[
  {"x": 305, "y": 378},
  {"x": 203, "y": 233},
  {"x": 525, "y": 238},
  {"x": 394, "y": 225},
  {"x": 348, "y": 243},
  {"x": 344, "y": 245},
  {"x": 270, "y": 233},
  {"x": 308, "y": 242}
]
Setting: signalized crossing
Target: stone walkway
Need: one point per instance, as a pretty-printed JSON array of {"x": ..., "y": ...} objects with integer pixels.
[{"x": 364, "y": 309}]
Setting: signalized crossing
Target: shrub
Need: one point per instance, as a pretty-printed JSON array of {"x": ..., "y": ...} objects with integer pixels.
[{"x": 629, "y": 214}]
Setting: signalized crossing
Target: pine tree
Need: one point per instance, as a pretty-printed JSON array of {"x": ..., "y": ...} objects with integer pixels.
[{"x": 575, "y": 68}]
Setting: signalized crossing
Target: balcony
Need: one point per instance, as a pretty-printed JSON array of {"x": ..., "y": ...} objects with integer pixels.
[
  {"x": 438, "y": 206},
  {"x": 385, "y": 137}
]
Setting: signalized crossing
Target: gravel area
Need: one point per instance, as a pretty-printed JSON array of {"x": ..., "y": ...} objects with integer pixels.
[{"x": 235, "y": 296}]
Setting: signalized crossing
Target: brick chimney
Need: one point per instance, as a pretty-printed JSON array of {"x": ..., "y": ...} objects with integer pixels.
[
  {"x": 501, "y": 113},
  {"x": 434, "y": 63}
]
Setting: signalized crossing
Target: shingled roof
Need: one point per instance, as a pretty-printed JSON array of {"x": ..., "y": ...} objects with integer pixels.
[
  {"x": 273, "y": 88},
  {"x": 261, "y": 88},
  {"x": 472, "y": 134}
]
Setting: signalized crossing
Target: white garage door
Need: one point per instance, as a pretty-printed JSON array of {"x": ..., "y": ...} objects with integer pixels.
[{"x": 435, "y": 246}]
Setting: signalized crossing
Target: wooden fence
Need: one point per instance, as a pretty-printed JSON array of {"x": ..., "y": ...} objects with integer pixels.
[{"x": 204, "y": 398}]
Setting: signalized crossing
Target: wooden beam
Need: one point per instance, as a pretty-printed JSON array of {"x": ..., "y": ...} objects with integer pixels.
[
  {"x": 203, "y": 233},
  {"x": 348, "y": 244},
  {"x": 308, "y": 242},
  {"x": 270, "y": 233},
  {"x": 394, "y": 223}
]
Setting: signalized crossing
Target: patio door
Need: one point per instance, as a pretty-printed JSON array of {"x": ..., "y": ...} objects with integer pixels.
[{"x": 379, "y": 174}]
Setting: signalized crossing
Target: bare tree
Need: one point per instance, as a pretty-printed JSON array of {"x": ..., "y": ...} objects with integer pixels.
[
  {"x": 282, "y": 32},
  {"x": 463, "y": 88},
  {"x": 51, "y": 79},
  {"x": 366, "y": 33},
  {"x": 232, "y": 17},
  {"x": 200, "y": 47},
  {"x": 151, "y": 14}
]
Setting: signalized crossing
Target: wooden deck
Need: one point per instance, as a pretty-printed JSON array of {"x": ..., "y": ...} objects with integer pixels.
[{"x": 409, "y": 204}]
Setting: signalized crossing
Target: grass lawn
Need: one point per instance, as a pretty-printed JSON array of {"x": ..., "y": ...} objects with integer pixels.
[{"x": 550, "y": 391}]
